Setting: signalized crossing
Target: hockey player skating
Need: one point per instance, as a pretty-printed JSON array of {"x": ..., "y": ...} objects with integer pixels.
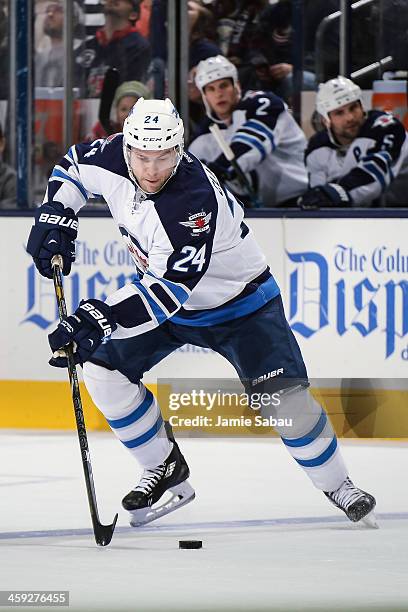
[
  {"x": 267, "y": 142},
  {"x": 202, "y": 279},
  {"x": 359, "y": 157}
]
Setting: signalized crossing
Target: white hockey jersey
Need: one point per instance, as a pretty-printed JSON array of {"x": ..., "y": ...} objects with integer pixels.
[
  {"x": 198, "y": 263},
  {"x": 374, "y": 163},
  {"x": 268, "y": 145}
]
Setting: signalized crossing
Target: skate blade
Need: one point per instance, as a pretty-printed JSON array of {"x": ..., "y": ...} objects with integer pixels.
[
  {"x": 182, "y": 494},
  {"x": 370, "y": 520}
]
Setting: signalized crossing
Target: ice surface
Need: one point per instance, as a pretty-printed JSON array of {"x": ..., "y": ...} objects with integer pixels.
[{"x": 270, "y": 540}]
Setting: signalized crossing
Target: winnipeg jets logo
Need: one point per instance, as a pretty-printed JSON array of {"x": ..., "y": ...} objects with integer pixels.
[
  {"x": 384, "y": 120},
  {"x": 199, "y": 223}
]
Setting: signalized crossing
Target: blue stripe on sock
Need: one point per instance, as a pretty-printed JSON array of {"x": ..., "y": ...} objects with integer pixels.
[
  {"x": 321, "y": 458},
  {"x": 135, "y": 415},
  {"x": 312, "y": 435},
  {"x": 148, "y": 435}
]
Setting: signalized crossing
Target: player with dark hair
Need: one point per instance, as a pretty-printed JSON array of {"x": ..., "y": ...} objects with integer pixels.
[{"x": 359, "y": 156}]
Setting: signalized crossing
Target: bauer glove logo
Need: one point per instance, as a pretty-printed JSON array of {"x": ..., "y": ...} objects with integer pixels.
[
  {"x": 99, "y": 318},
  {"x": 58, "y": 220}
]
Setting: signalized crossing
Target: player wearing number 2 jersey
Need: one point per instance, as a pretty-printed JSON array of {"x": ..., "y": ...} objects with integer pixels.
[
  {"x": 202, "y": 279},
  {"x": 266, "y": 141}
]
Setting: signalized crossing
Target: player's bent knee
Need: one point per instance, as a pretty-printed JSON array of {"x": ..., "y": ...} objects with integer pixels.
[{"x": 109, "y": 388}]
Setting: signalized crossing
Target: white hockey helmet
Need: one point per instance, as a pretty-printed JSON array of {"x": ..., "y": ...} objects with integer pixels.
[
  {"x": 213, "y": 69},
  {"x": 153, "y": 125},
  {"x": 336, "y": 93}
]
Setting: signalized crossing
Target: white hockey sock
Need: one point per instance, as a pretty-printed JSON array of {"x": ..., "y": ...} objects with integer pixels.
[
  {"x": 132, "y": 413},
  {"x": 311, "y": 440}
]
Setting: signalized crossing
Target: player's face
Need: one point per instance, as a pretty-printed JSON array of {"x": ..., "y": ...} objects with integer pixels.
[
  {"x": 346, "y": 121},
  {"x": 222, "y": 97},
  {"x": 152, "y": 168},
  {"x": 124, "y": 107}
]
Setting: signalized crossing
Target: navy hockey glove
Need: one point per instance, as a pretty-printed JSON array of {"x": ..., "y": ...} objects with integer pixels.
[
  {"x": 330, "y": 194},
  {"x": 223, "y": 173},
  {"x": 87, "y": 327},
  {"x": 53, "y": 233}
]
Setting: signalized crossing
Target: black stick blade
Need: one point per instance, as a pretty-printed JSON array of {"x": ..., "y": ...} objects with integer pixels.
[{"x": 104, "y": 533}]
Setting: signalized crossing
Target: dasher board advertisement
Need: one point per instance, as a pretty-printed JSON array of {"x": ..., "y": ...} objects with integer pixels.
[{"x": 344, "y": 284}]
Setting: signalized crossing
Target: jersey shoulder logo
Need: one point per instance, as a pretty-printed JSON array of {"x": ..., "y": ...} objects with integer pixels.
[
  {"x": 253, "y": 93},
  {"x": 198, "y": 223},
  {"x": 384, "y": 120},
  {"x": 109, "y": 139}
]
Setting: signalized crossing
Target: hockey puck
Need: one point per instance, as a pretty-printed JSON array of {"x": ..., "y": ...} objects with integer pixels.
[{"x": 190, "y": 544}]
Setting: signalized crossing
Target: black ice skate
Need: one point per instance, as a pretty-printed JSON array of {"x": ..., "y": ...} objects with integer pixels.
[
  {"x": 357, "y": 504},
  {"x": 169, "y": 476}
]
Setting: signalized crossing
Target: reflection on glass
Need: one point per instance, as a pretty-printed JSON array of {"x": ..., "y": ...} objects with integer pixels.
[
  {"x": 110, "y": 34},
  {"x": 7, "y": 178}
]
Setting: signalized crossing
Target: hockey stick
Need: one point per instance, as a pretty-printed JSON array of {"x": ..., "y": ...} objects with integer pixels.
[
  {"x": 229, "y": 154},
  {"x": 103, "y": 533},
  {"x": 110, "y": 84}
]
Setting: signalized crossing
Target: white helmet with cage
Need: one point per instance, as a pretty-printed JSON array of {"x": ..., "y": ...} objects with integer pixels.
[
  {"x": 213, "y": 69},
  {"x": 336, "y": 93},
  {"x": 153, "y": 125}
]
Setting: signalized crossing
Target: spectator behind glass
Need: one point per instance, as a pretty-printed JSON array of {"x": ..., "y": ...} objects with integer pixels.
[
  {"x": 126, "y": 95},
  {"x": 4, "y": 54},
  {"x": 202, "y": 45},
  {"x": 49, "y": 64},
  {"x": 143, "y": 23},
  {"x": 271, "y": 53},
  {"x": 202, "y": 33},
  {"x": 116, "y": 45},
  {"x": 236, "y": 23},
  {"x": 7, "y": 179}
]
